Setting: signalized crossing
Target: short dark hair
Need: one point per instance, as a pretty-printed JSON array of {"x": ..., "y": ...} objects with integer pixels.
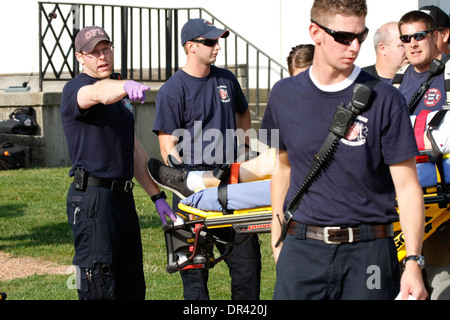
[
  {"x": 322, "y": 8},
  {"x": 417, "y": 16}
]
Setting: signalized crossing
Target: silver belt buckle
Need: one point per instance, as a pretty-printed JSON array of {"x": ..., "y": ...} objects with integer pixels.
[{"x": 326, "y": 235}]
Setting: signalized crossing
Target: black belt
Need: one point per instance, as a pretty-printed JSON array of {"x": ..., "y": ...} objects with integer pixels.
[
  {"x": 338, "y": 235},
  {"x": 114, "y": 185}
]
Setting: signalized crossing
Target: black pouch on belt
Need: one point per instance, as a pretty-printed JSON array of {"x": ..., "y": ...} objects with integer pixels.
[{"x": 80, "y": 179}]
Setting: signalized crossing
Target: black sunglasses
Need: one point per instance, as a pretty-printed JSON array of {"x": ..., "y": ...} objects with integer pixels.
[
  {"x": 406, "y": 38},
  {"x": 345, "y": 37},
  {"x": 206, "y": 42}
]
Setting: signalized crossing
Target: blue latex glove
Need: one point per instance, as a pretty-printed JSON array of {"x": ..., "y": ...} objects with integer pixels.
[
  {"x": 164, "y": 210},
  {"x": 135, "y": 90}
]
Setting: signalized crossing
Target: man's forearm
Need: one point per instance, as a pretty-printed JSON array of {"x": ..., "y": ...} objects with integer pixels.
[
  {"x": 140, "y": 170},
  {"x": 167, "y": 145},
  {"x": 278, "y": 189},
  {"x": 244, "y": 123},
  {"x": 104, "y": 91}
]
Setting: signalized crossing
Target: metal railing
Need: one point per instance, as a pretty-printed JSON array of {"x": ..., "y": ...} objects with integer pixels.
[{"x": 147, "y": 45}]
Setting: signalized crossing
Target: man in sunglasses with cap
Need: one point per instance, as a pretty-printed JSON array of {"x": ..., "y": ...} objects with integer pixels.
[
  {"x": 98, "y": 122},
  {"x": 339, "y": 240},
  {"x": 421, "y": 38},
  {"x": 198, "y": 99}
]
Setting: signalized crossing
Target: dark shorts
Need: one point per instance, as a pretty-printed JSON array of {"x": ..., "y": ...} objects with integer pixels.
[{"x": 107, "y": 240}]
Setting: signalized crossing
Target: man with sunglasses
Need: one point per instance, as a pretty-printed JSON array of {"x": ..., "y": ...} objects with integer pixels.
[
  {"x": 339, "y": 242},
  {"x": 98, "y": 122},
  {"x": 421, "y": 42},
  {"x": 419, "y": 35},
  {"x": 197, "y": 100}
]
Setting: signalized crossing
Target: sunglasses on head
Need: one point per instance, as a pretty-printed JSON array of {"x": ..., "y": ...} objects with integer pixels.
[
  {"x": 406, "y": 38},
  {"x": 206, "y": 42},
  {"x": 345, "y": 37}
]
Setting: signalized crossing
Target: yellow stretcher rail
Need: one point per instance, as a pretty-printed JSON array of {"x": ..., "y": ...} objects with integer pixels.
[{"x": 216, "y": 219}]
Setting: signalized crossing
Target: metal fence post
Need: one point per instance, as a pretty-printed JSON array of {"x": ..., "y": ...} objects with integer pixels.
[
  {"x": 169, "y": 33},
  {"x": 41, "y": 74},
  {"x": 75, "y": 9},
  {"x": 175, "y": 41},
  {"x": 124, "y": 42}
]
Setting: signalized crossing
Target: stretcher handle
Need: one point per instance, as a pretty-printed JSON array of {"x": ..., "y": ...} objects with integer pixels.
[{"x": 195, "y": 249}]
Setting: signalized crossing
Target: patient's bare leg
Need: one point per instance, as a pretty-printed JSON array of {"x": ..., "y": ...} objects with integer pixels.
[{"x": 258, "y": 168}]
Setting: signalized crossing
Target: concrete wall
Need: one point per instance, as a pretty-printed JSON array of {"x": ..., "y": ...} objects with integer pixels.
[{"x": 48, "y": 148}]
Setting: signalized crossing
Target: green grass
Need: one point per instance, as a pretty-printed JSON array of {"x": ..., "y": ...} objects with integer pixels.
[{"x": 33, "y": 223}]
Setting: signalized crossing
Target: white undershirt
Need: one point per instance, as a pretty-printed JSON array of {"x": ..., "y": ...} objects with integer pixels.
[{"x": 337, "y": 86}]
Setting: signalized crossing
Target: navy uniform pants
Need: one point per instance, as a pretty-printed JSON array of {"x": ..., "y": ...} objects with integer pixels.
[
  {"x": 244, "y": 264},
  {"x": 107, "y": 241},
  {"x": 313, "y": 270}
]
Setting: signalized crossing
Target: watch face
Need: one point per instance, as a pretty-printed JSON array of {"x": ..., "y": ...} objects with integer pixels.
[
  {"x": 421, "y": 262},
  {"x": 419, "y": 259}
]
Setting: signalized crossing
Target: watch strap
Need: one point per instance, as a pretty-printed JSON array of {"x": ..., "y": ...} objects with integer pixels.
[
  {"x": 418, "y": 258},
  {"x": 161, "y": 195}
]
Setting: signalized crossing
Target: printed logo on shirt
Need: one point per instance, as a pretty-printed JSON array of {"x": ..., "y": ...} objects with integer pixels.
[
  {"x": 128, "y": 105},
  {"x": 223, "y": 93},
  {"x": 432, "y": 97},
  {"x": 357, "y": 133}
]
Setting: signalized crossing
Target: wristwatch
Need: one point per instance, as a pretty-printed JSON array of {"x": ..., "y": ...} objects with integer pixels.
[
  {"x": 161, "y": 195},
  {"x": 418, "y": 258}
]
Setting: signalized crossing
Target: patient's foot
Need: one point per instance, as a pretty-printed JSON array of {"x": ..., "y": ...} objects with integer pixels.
[{"x": 170, "y": 178}]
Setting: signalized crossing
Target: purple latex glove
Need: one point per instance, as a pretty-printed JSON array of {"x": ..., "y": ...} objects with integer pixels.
[
  {"x": 135, "y": 90},
  {"x": 164, "y": 210}
]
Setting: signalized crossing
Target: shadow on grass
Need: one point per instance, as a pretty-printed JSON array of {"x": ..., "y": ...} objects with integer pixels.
[
  {"x": 50, "y": 234},
  {"x": 12, "y": 210}
]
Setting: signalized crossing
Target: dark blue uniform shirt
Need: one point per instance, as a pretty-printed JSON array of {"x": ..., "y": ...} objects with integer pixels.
[
  {"x": 356, "y": 187},
  {"x": 100, "y": 139}
]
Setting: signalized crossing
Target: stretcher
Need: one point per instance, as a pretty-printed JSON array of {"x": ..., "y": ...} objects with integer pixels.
[
  {"x": 190, "y": 240},
  {"x": 434, "y": 177}
]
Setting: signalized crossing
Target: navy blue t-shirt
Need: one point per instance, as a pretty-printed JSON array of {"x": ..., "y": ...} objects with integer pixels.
[
  {"x": 356, "y": 187},
  {"x": 201, "y": 112},
  {"x": 433, "y": 99},
  {"x": 100, "y": 139}
]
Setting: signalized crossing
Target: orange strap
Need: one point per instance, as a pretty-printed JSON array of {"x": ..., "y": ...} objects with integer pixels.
[{"x": 234, "y": 173}]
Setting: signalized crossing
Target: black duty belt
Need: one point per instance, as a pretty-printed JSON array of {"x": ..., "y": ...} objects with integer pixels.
[
  {"x": 114, "y": 185},
  {"x": 338, "y": 235}
]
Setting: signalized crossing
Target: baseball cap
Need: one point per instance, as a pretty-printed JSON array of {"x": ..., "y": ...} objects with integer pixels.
[
  {"x": 195, "y": 28},
  {"x": 88, "y": 37},
  {"x": 440, "y": 17}
]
